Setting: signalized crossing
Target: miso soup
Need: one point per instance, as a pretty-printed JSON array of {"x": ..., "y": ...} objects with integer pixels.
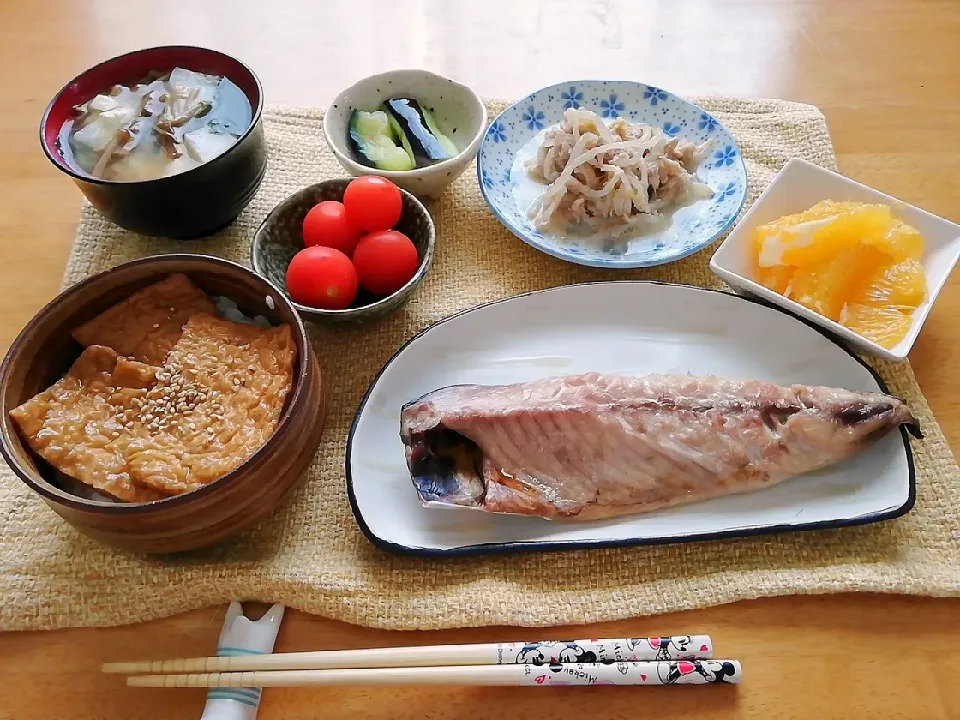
[{"x": 161, "y": 126}]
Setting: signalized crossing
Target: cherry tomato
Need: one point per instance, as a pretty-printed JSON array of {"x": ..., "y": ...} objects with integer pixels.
[
  {"x": 322, "y": 277},
  {"x": 326, "y": 224},
  {"x": 385, "y": 261},
  {"x": 372, "y": 203}
]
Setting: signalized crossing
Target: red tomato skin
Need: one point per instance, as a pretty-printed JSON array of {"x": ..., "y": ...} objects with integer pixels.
[
  {"x": 385, "y": 261},
  {"x": 322, "y": 277},
  {"x": 326, "y": 224},
  {"x": 373, "y": 203}
]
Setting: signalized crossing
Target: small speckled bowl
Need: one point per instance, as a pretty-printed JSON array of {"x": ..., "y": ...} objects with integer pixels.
[
  {"x": 459, "y": 111},
  {"x": 280, "y": 237}
]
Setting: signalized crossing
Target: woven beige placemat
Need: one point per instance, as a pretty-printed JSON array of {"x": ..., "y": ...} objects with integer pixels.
[{"x": 312, "y": 556}]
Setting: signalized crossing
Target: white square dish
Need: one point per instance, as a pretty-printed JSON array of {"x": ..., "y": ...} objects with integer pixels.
[{"x": 798, "y": 186}]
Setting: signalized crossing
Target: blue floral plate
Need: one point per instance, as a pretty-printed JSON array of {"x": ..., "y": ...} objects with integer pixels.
[{"x": 692, "y": 227}]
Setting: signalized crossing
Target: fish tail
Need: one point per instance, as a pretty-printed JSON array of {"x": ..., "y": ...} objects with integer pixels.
[
  {"x": 910, "y": 423},
  {"x": 876, "y": 417},
  {"x": 913, "y": 427}
]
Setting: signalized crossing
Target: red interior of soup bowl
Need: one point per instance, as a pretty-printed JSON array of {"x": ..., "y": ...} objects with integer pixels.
[{"x": 129, "y": 68}]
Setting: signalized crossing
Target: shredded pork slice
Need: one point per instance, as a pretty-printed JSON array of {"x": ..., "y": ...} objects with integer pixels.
[{"x": 612, "y": 177}]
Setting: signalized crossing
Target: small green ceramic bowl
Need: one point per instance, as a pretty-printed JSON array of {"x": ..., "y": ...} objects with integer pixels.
[{"x": 280, "y": 237}]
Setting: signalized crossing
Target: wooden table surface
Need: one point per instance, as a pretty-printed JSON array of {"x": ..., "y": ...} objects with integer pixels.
[{"x": 885, "y": 73}]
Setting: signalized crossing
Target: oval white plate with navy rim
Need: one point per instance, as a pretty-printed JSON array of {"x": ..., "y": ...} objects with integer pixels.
[
  {"x": 627, "y": 327},
  {"x": 691, "y": 227}
]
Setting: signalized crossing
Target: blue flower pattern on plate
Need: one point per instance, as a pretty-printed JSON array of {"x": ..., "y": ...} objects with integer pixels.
[
  {"x": 693, "y": 227},
  {"x": 533, "y": 118},
  {"x": 654, "y": 94},
  {"x": 611, "y": 107},
  {"x": 671, "y": 129},
  {"x": 725, "y": 156},
  {"x": 729, "y": 190},
  {"x": 571, "y": 98},
  {"x": 723, "y": 222},
  {"x": 707, "y": 122}
]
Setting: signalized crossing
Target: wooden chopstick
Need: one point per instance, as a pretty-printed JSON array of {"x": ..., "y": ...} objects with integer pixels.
[
  {"x": 681, "y": 647},
  {"x": 657, "y": 672}
]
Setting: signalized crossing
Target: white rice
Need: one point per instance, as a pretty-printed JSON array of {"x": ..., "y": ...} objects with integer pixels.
[{"x": 229, "y": 310}]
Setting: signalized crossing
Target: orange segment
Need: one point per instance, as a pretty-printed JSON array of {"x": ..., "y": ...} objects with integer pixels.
[
  {"x": 813, "y": 289},
  {"x": 886, "y": 326},
  {"x": 901, "y": 242},
  {"x": 806, "y": 244},
  {"x": 823, "y": 209},
  {"x": 825, "y": 287},
  {"x": 855, "y": 263},
  {"x": 847, "y": 230},
  {"x": 900, "y": 285},
  {"x": 776, "y": 278},
  {"x": 818, "y": 233},
  {"x": 769, "y": 234}
]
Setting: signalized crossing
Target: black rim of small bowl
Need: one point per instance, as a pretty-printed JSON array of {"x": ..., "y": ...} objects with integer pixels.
[
  {"x": 51, "y": 492},
  {"x": 284, "y": 205},
  {"x": 65, "y": 167}
]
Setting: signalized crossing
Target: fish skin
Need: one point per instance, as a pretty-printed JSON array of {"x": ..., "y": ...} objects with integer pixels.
[{"x": 593, "y": 446}]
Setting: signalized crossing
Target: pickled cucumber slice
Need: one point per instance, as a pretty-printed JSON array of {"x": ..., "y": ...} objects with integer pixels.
[
  {"x": 417, "y": 128},
  {"x": 374, "y": 142}
]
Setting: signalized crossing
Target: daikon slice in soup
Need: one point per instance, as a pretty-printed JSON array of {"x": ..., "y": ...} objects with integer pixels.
[{"x": 161, "y": 126}]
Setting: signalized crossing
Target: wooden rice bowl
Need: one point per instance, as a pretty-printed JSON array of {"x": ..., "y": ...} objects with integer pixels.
[{"x": 44, "y": 351}]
